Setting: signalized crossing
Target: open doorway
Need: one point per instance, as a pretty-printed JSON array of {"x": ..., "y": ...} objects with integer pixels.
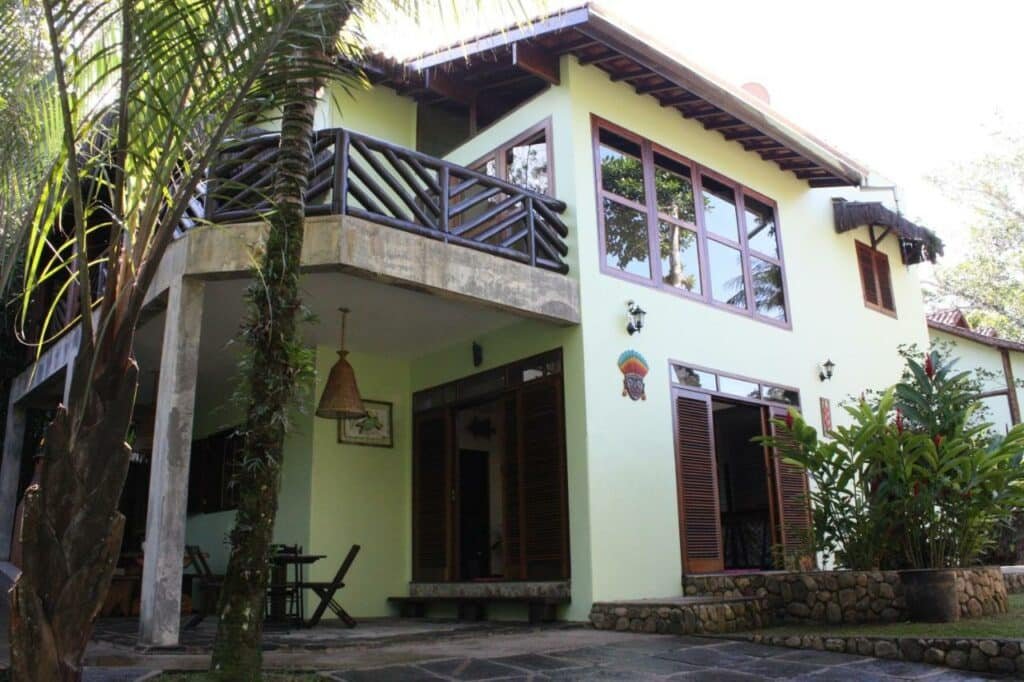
[
  {"x": 744, "y": 499},
  {"x": 482, "y": 446}
]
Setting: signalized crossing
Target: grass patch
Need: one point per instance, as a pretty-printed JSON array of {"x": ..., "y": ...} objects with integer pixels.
[{"x": 1008, "y": 625}]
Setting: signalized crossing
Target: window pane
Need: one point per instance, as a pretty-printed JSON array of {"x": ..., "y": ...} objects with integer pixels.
[
  {"x": 726, "y": 270},
  {"x": 625, "y": 239},
  {"x": 688, "y": 376},
  {"x": 680, "y": 266},
  {"x": 674, "y": 189},
  {"x": 769, "y": 298},
  {"x": 747, "y": 389},
  {"x": 777, "y": 394},
  {"x": 527, "y": 164},
  {"x": 622, "y": 172},
  {"x": 761, "y": 230},
  {"x": 719, "y": 209}
]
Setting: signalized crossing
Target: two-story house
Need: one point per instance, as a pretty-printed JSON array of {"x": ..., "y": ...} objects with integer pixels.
[{"x": 493, "y": 215}]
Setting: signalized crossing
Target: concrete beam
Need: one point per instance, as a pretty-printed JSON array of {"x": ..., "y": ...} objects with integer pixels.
[
  {"x": 160, "y": 608},
  {"x": 367, "y": 249},
  {"x": 10, "y": 474}
]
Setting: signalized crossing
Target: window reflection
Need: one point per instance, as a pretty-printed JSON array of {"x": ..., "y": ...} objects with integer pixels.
[
  {"x": 766, "y": 281},
  {"x": 719, "y": 209},
  {"x": 674, "y": 187},
  {"x": 689, "y": 376},
  {"x": 680, "y": 265},
  {"x": 747, "y": 389},
  {"x": 622, "y": 172},
  {"x": 761, "y": 230},
  {"x": 527, "y": 164},
  {"x": 626, "y": 245},
  {"x": 726, "y": 271},
  {"x": 777, "y": 394}
]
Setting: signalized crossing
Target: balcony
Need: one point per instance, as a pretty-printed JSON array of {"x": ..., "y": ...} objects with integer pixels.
[{"x": 367, "y": 178}]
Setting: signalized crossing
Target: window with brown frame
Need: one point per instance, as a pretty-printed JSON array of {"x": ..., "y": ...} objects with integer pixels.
[
  {"x": 667, "y": 222},
  {"x": 524, "y": 160},
  {"x": 875, "y": 279}
]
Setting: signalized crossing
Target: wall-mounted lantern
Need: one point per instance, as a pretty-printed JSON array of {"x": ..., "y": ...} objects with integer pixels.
[
  {"x": 825, "y": 370},
  {"x": 635, "y": 317}
]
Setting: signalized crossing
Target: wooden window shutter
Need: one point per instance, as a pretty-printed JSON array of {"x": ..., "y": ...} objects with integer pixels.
[
  {"x": 510, "y": 492},
  {"x": 866, "y": 263},
  {"x": 700, "y": 527},
  {"x": 793, "y": 504},
  {"x": 885, "y": 297},
  {"x": 431, "y": 496},
  {"x": 542, "y": 475}
]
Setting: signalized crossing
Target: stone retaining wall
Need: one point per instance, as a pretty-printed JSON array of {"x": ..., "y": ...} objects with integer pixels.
[
  {"x": 1014, "y": 581},
  {"x": 681, "y": 616},
  {"x": 846, "y": 596},
  {"x": 1000, "y": 656}
]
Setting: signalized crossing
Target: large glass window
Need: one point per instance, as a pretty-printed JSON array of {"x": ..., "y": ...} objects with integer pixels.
[
  {"x": 524, "y": 160},
  {"x": 666, "y": 220}
]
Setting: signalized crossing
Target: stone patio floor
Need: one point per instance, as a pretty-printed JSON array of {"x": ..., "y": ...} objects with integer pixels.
[{"x": 393, "y": 649}]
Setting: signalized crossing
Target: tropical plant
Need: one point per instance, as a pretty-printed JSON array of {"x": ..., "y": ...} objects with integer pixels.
[
  {"x": 134, "y": 106},
  {"x": 914, "y": 481}
]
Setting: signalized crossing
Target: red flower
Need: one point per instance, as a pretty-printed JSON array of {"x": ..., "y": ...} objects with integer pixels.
[
  {"x": 937, "y": 440},
  {"x": 929, "y": 367},
  {"x": 789, "y": 420},
  {"x": 899, "y": 420},
  {"x": 917, "y": 488}
]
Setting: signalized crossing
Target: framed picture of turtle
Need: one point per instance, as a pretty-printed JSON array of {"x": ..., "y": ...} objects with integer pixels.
[{"x": 375, "y": 429}]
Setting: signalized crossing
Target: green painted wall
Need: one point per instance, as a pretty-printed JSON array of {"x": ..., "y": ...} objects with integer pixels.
[{"x": 375, "y": 111}]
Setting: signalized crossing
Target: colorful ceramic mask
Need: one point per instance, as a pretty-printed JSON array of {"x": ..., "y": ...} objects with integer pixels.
[{"x": 634, "y": 369}]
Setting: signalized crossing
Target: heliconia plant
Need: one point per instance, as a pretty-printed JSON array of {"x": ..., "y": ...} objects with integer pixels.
[{"x": 915, "y": 480}]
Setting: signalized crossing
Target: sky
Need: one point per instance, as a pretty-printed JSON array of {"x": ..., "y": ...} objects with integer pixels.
[{"x": 906, "y": 87}]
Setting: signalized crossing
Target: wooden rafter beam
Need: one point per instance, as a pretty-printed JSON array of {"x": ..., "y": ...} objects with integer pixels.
[
  {"x": 443, "y": 84},
  {"x": 599, "y": 58},
  {"x": 665, "y": 86},
  {"x": 796, "y": 164},
  {"x": 831, "y": 181},
  {"x": 811, "y": 173},
  {"x": 629, "y": 75},
  {"x": 779, "y": 154},
  {"x": 744, "y": 134},
  {"x": 536, "y": 60},
  {"x": 676, "y": 100}
]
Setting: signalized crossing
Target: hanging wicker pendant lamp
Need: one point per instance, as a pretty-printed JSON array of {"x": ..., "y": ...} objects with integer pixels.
[{"x": 340, "y": 399}]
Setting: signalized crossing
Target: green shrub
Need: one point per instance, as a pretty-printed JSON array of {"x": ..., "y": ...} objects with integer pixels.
[{"x": 916, "y": 480}]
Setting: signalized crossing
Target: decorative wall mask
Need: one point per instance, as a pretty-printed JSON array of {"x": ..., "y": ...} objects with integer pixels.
[{"x": 634, "y": 368}]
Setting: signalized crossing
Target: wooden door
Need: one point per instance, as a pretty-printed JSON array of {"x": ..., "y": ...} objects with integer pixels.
[
  {"x": 543, "y": 499},
  {"x": 700, "y": 528},
  {"x": 793, "y": 509},
  {"x": 432, "y": 496},
  {"x": 512, "y": 535}
]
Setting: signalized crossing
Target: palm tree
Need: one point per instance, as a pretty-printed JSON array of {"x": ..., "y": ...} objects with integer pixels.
[{"x": 136, "y": 101}]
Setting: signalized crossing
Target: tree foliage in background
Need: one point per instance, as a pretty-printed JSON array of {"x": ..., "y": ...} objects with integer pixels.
[{"x": 989, "y": 283}]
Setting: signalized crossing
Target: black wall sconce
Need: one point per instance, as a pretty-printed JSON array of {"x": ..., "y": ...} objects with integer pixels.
[
  {"x": 826, "y": 369},
  {"x": 478, "y": 354},
  {"x": 635, "y": 318}
]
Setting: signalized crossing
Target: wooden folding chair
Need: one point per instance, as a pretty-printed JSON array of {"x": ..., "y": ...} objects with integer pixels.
[
  {"x": 209, "y": 585},
  {"x": 326, "y": 592}
]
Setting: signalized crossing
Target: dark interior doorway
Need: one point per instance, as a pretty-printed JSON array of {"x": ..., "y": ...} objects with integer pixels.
[
  {"x": 744, "y": 495},
  {"x": 474, "y": 514}
]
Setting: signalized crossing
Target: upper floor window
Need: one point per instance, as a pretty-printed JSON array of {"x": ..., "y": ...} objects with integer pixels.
[
  {"x": 668, "y": 222},
  {"x": 525, "y": 160},
  {"x": 875, "y": 279}
]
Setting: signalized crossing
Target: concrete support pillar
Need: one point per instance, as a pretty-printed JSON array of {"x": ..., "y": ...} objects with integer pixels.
[
  {"x": 160, "y": 609},
  {"x": 10, "y": 474}
]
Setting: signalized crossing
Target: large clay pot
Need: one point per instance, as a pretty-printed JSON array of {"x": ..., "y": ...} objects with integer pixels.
[{"x": 931, "y": 595}]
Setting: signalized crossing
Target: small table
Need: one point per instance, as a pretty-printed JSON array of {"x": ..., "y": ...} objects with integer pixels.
[{"x": 281, "y": 588}]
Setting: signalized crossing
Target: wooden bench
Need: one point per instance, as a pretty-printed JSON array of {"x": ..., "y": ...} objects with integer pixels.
[{"x": 541, "y": 609}]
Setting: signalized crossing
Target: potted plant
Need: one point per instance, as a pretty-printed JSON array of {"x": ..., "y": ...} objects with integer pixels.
[{"x": 916, "y": 482}]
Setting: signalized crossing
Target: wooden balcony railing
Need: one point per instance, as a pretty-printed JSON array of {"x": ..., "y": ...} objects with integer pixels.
[{"x": 361, "y": 176}]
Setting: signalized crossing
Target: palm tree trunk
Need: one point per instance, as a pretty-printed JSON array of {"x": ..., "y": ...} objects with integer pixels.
[{"x": 271, "y": 332}]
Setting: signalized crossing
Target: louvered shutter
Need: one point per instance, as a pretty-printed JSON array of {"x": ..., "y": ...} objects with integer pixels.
[
  {"x": 700, "y": 529},
  {"x": 866, "y": 263},
  {"x": 885, "y": 297},
  {"x": 543, "y": 500},
  {"x": 510, "y": 494},
  {"x": 794, "y": 510},
  {"x": 431, "y": 495}
]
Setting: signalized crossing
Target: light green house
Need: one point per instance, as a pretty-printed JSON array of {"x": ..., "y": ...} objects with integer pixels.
[{"x": 532, "y": 447}]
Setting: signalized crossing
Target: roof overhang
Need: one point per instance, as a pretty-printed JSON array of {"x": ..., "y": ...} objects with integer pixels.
[
  {"x": 992, "y": 341},
  {"x": 917, "y": 243},
  {"x": 626, "y": 54}
]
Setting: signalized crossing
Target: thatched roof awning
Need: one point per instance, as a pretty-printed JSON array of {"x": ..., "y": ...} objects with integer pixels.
[{"x": 916, "y": 243}]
